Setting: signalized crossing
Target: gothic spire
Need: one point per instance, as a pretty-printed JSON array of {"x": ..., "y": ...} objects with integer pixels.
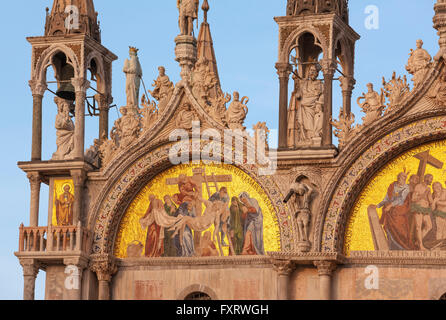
[
  {"x": 62, "y": 20},
  {"x": 205, "y": 44}
]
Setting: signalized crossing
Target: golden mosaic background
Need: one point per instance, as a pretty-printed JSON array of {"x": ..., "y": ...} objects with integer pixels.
[
  {"x": 130, "y": 229},
  {"x": 358, "y": 236},
  {"x": 59, "y": 184}
]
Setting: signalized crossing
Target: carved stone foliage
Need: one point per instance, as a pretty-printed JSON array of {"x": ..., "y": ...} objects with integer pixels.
[
  {"x": 344, "y": 130},
  {"x": 396, "y": 89},
  {"x": 104, "y": 266},
  {"x": 325, "y": 268},
  {"x": 438, "y": 92}
]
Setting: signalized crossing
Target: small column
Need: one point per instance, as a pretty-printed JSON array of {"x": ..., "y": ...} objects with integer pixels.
[
  {"x": 73, "y": 277},
  {"x": 325, "y": 270},
  {"x": 80, "y": 85},
  {"x": 284, "y": 268},
  {"x": 347, "y": 85},
  {"x": 79, "y": 177},
  {"x": 329, "y": 69},
  {"x": 186, "y": 55},
  {"x": 38, "y": 89},
  {"x": 35, "y": 181},
  {"x": 284, "y": 71},
  {"x": 104, "y": 106},
  {"x": 30, "y": 271},
  {"x": 105, "y": 268}
]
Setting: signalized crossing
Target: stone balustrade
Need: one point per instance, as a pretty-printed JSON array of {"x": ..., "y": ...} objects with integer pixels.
[{"x": 53, "y": 239}]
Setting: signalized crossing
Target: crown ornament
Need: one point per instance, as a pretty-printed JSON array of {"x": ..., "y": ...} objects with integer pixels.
[{"x": 133, "y": 50}]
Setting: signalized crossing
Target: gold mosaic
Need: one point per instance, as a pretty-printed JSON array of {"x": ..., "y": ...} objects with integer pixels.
[
  {"x": 245, "y": 233},
  {"x": 409, "y": 223}
]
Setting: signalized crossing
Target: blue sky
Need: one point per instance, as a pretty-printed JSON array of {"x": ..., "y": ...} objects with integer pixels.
[{"x": 245, "y": 39}]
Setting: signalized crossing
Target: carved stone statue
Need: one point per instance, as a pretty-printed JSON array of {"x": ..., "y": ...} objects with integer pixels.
[
  {"x": 65, "y": 130},
  {"x": 236, "y": 113},
  {"x": 310, "y": 97},
  {"x": 163, "y": 89},
  {"x": 127, "y": 128},
  {"x": 373, "y": 105},
  {"x": 188, "y": 13},
  {"x": 203, "y": 81},
  {"x": 304, "y": 193},
  {"x": 133, "y": 71},
  {"x": 186, "y": 117},
  {"x": 418, "y": 64}
]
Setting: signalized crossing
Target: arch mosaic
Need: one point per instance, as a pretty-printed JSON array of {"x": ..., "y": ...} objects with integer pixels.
[
  {"x": 111, "y": 207},
  {"x": 330, "y": 233}
]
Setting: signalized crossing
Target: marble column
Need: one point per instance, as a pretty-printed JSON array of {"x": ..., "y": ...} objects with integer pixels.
[
  {"x": 104, "y": 267},
  {"x": 79, "y": 178},
  {"x": 73, "y": 277},
  {"x": 38, "y": 90},
  {"x": 347, "y": 85},
  {"x": 104, "y": 106},
  {"x": 325, "y": 270},
  {"x": 80, "y": 85},
  {"x": 35, "y": 181},
  {"x": 329, "y": 69},
  {"x": 30, "y": 271},
  {"x": 284, "y": 71},
  {"x": 284, "y": 270}
]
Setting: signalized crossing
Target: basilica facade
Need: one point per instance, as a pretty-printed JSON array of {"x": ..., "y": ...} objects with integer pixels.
[{"x": 179, "y": 200}]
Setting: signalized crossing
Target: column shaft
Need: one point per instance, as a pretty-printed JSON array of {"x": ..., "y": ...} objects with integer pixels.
[
  {"x": 283, "y": 70},
  {"x": 36, "y": 148},
  {"x": 35, "y": 182}
]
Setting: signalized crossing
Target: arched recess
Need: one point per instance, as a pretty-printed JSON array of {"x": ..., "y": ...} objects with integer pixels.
[
  {"x": 292, "y": 41},
  {"x": 96, "y": 66},
  {"x": 46, "y": 60},
  {"x": 345, "y": 188},
  {"x": 197, "y": 288},
  {"x": 117, "y": 195}
]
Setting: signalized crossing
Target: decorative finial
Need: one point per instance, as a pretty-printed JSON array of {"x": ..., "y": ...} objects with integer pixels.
[{"x": 205, "y": 8}]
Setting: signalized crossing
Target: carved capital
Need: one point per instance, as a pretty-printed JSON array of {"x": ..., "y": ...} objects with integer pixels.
[
  {"x": 284, "y": 70},
  {"x": 347, "y": 83},
  {"x": 35, "y": 179},
  {"x": 328, "y": 68},
  {"x": 104, "y": 266},
  {"x": 79, "y": 177},
  {"x": 283, "y": 267},
  {"x": 325, "y": 268},
  {"x": 30, "y": 267},
  {"x": 80, "y": 85},
  {"x": 103, "y": 101},
  {"x": 37, "y": 88}
]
